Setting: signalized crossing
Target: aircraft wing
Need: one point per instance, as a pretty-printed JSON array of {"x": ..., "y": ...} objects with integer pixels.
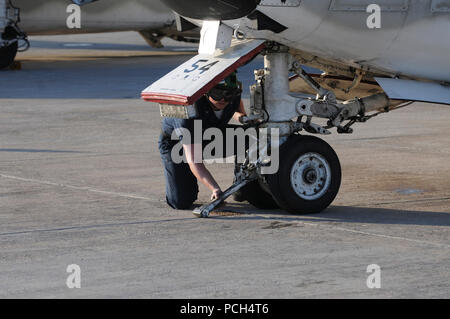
[{"x": 411, "y": 90}]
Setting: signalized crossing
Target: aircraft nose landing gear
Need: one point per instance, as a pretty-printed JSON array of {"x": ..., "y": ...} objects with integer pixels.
[{"x": 309, "y": 174}]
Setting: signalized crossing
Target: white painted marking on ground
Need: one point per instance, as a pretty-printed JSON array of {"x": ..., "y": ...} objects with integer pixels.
[
  {"x": 78, "y": 44},
  {"x": 81, "y": 188},
  {"x": 90, "y": 189}
]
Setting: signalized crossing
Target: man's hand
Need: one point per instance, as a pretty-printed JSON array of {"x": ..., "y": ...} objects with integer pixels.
[
  {"x": 216, "y": 194},
  {"x": 249, "y": 120}
]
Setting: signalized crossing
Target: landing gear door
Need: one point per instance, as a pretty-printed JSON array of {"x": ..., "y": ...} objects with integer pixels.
[{"x": 187, "y": 83}]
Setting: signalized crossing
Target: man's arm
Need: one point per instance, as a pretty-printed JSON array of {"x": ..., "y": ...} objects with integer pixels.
[
  {"x": 193, "y": 153},
  {"x": 240, "y": 112}
]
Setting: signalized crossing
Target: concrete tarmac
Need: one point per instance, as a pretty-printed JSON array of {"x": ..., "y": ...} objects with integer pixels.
[{"x": 81, "y": 182}]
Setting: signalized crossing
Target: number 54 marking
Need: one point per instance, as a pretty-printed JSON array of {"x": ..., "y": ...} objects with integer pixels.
[{"x": 203, "y": 69}]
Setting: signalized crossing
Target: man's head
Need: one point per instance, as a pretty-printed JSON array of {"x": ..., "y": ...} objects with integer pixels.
[{"x": 221, "y": 95}]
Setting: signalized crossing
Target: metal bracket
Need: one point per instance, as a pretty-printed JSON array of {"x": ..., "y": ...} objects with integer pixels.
[
  {"x": 321, "y": 92},
  {"x": 312, "y": 127},
  {"x": 356, "y": 81}
]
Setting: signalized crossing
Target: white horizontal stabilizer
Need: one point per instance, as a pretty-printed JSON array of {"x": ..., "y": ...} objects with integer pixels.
[{"x": 410, "y": 90}]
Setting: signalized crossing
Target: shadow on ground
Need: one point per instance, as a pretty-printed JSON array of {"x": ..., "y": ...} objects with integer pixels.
[{"x": 342, "y": 214}]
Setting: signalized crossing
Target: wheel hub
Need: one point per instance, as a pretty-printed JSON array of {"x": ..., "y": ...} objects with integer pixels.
[{"x": 311, "y": 176}]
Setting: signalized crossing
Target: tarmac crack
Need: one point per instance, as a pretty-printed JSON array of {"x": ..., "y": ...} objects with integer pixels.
[{"x": 94, "y": 226}]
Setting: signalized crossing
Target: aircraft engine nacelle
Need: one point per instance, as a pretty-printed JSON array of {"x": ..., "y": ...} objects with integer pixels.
[{"x": 212, "y": 10}]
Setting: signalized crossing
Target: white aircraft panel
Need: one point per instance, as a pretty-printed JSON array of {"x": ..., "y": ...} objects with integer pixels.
[
  {"x": 187, "y": 83},
  {"x": 415, "y": 91}
]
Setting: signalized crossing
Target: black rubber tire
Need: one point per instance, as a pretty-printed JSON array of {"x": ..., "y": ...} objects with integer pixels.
[
  {"x": 257, "y": 196},
  {"x": 280, "y": 182},
  {"x": 7, "y": 55}
]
